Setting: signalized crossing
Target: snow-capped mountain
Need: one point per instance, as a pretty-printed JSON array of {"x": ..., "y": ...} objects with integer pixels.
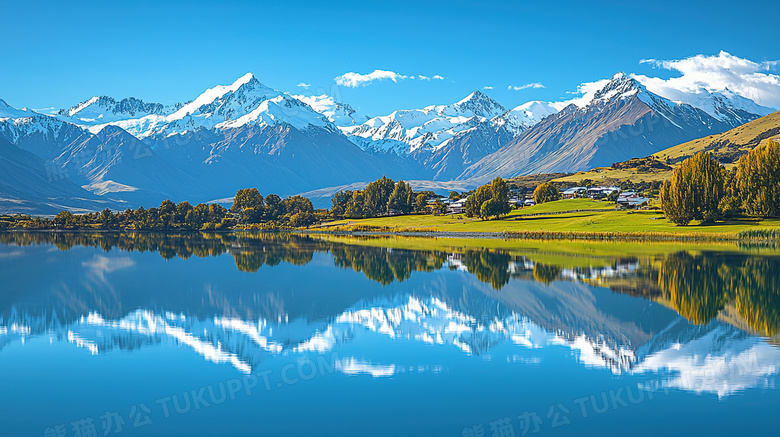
[
  {"x": 725, "y": 106},
  {"x": 100, "y": 110},
  {"x": 340, "y": 114},
  {"x": 9, "y": 112},
  {"x": 40, "y": 134},
  {"x": 244, "y": 102},
  {"x": 424, "y": 130},
  {"x": 488, "y": 136},
  {"x": 246, "y": 133},
  {"x": 618, "y": 121},
  {"x": 524, "y": 116}
]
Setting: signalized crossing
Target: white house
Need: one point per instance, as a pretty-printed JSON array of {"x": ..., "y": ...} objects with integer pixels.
[
  {"x": 456, "y": 207},
  {"x": 631, "y": 199},
  {"x": 572, "y": 192}
]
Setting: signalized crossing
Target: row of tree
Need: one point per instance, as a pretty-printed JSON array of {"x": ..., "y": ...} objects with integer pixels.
[
  {"x": 381, "y": 198},
  {"x": 249, "y": 210},
  {"x": 169, "y": 216},
  {"x": 702, "y": 189}
]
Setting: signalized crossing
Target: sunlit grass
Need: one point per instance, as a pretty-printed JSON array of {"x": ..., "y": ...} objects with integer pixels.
[{"x": 554, "y": 221}]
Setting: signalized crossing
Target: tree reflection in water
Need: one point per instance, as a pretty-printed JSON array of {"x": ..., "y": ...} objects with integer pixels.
[{"x": 699, "y": 286}]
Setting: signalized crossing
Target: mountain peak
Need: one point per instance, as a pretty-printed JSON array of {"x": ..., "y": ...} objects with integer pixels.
[
  {"x": 618, "y": 87},
  {"x": 478, "y": 103},
  {"x": 102, "y": 109},
  {"x": 247, "y": 79},
  {"x": 476, "y": 95}
]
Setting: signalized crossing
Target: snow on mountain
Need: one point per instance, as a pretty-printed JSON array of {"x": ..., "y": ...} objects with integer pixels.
[
  {"x": 9, "y": 112},
  {"x": 100, "y": 110},
  {"x": 524, "y": 116},
  {"x": 40, "y": 134},
  {"x": 426, "y": 129},
  {"x": 615, "y": 120},
  {"x": 725, "y": 106},
  {"x": 245, "y": 102},
  {"x": 340, "y": 114}
]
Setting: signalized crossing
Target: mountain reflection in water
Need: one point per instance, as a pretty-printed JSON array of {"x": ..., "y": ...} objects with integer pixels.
[{"x": 676, "y": 313}]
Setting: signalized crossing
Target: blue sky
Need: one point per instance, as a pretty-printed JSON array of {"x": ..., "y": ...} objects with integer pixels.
[{"x": 59, "y": 53}]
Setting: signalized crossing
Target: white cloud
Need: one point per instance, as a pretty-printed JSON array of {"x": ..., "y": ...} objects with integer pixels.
[
  {"x": 304, "y": 85},
  {"x": 717, "y": 73},
  {"x": 353, "y": 80},
  {"x": 526, "y": 86},
  {"x": 487, "y": 87},
  {"x": 586, "y": 91}
]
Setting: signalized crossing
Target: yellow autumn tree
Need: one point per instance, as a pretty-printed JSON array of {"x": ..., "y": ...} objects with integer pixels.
[
  {"x": 758, "y": 180},
  {"x": 694, "y": 191}
]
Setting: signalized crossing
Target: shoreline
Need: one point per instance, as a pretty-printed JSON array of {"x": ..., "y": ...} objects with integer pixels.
[
  {"x": 541, "y": 235},
  {"x": 427, "y": 233}
]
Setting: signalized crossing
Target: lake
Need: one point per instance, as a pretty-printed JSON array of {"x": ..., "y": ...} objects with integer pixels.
[{"x": 284, "y": 334}]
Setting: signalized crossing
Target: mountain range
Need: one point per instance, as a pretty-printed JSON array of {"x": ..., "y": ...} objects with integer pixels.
[{"x": 105, "y": 152}]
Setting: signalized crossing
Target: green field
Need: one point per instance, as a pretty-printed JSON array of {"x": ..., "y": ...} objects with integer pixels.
[{"x": 557, "y": 217}]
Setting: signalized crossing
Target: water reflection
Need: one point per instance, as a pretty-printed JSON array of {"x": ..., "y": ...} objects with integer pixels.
[{"x": 622, "y": 313}]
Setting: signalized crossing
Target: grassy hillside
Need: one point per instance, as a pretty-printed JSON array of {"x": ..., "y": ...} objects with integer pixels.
[{"x": 727, "y": 147}]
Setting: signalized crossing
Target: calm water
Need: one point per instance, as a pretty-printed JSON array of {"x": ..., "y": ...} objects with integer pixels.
[{"x": 275, "y": 335}]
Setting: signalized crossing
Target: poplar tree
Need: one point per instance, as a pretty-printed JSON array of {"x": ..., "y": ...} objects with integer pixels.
[
  {"x": 694, "y": 191},
  {"x": 758, "y": 180}
]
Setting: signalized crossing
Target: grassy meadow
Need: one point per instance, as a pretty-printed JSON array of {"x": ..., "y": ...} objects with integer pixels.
[{"x": 571, "y": 216}]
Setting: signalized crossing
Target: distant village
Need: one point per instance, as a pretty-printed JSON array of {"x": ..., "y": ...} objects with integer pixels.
[{"x": 624, "y": 199}]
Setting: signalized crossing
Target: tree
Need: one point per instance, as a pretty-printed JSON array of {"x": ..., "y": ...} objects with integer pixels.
[
  {"x": 401, "y": 199},
  {"x": 695, "y": 190},
  {"x": 274, "y": 209},
  {"x": 182, "y": 208},
  {"x": 302, "y": 219},
  {"x": 490, "y": 208},
  {"x": 439, "y": 207},
  {"x": 473, "y": 205},
  {"x": 296, "y": 204},
  {"x": 166, "y": 213},
  {"x": 500, "y": 194},
  {"x": 377, "y": 195},
  {"x": 758, "y": 180},
  {"x": 340, "y": 201},
  {"x": 64, "y": 219},
  {"x": 546, "y": 193},
  {"x": 106, "y": 218},
  {"x": 355, "y": 206},
  {"x": 247, "y": 198},
  {"x": 421, "y": 204},
  {"x": 251, "y": 215},
  {"x": 454, "y": 195}
]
